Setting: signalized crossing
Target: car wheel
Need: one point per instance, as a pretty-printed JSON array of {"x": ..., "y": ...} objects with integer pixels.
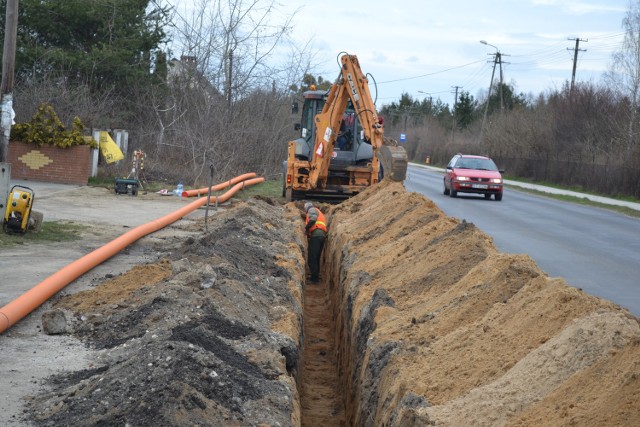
[
  {"x": 487, "y": 196},
  {"x": 446, "y": 190},
  {"x": 498, "y": 196},
  {"x": 452, "y": 192}
]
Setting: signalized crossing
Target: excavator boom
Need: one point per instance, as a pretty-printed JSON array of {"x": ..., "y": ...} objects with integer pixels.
[
  {"x": 353, "y": 85},
  {"x": 324, "y": 171}
]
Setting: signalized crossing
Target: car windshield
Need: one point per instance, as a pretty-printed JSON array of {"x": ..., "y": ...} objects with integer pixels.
[{"x": 476, "y": 163}]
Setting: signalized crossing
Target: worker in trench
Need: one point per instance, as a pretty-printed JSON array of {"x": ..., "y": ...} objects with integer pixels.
[{"x": 316, "y": 230}]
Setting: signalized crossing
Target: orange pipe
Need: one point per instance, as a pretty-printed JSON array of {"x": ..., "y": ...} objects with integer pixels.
[
  {"x": 17, "y": 309},
  {"x": 204, "y": 191}
]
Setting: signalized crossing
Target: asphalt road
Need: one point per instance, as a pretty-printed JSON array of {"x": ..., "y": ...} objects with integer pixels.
[{"x": 592, "y": 248}]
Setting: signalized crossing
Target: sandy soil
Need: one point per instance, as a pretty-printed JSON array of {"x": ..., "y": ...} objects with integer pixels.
[
  {"x": 418, "y": 320},
  {"x": 442, "y": 329},
  {"x": 320, "y": 394}
]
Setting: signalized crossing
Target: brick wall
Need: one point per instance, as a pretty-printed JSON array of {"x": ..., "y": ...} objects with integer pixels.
[{"x": 50, "y": 164}]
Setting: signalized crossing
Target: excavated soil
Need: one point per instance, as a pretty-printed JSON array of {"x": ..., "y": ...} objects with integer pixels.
[
  {"x": 418, "y": 320},
  {"x": 439, "y": 328},
  {"x": 207, "y": 335}
]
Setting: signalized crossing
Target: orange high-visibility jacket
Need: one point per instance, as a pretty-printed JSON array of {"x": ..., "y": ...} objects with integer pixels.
[{"x": 321, "y": 223}]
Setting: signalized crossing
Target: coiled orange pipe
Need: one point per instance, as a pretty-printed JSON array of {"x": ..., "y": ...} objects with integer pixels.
[
  {"x": 217, "y": 187},
  {"x": 17, "y": 309}
]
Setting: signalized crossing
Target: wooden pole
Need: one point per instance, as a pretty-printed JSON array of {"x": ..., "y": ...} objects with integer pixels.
[{"x": 8, "y": 71}]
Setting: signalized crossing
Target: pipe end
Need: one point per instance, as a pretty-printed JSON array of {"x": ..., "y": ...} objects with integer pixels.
[{"x": 4, "y": 322}]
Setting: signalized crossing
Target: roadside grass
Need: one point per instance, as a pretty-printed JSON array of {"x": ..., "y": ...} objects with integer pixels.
[
  {"x": 54, "y": 231},
  {"x": 102, "y": 182},
  {"x": 583, "y": 201},
  {"x": 577, "y": 189},
  {"x": 110, "y": 183},
  {"x": 268, "y": 188}
]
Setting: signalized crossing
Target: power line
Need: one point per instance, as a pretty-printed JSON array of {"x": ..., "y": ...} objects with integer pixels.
[
  {"x": 473, "y": 81},
  {"x": 431, "y": 74},
  {"x": 549, "y": 56},
  {"x": 608, "y": 36}
]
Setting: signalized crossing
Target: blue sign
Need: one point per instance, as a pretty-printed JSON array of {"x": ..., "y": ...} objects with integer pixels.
[{"x": 403, "y": 137}]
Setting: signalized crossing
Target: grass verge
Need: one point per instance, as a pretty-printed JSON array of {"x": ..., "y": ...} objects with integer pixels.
[
  {"x": 55, "y": 231},
  {"x": 582, "y": 201},
  {"x": 271, "y": 188}
]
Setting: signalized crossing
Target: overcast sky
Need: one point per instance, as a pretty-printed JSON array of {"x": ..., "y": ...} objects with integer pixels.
[{"x": 431, "y": 46}]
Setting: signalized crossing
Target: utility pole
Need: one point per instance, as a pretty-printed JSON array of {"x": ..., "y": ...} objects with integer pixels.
[
  {"x": 575, "y": 59},
  {"x": 8, "y": 70},
  {"x": 230, "y": 79},
  {"x": 497, "y": 59},
  {"x": 455, "y": 101},
  {"x": 486, "y": 107}
]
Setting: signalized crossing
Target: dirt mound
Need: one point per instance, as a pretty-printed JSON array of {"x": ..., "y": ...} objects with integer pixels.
[
  {"x": 205, "y": 334},
  {"x": 439, "y": 328}
]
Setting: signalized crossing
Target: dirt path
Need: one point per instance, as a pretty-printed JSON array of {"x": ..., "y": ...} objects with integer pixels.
[{"x": 320, "y": 396}]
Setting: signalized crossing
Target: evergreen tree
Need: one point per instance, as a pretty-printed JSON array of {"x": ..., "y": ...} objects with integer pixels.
[
  {"x": 309, "y": 80},
  {"x": 104, "y": 44},
  {"x": 465, "y": 110},
  {"x": 504, "y": 97}
]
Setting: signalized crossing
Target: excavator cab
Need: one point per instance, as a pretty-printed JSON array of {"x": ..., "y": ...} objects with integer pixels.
[
  {"x": 313, "y": 104},
  {"x": 350, "y": 147}
]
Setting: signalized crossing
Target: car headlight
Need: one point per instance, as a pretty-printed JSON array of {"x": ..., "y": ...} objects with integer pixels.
[
  {"x": 496, "y": 181},
  {"x": 463, "y": 178}
]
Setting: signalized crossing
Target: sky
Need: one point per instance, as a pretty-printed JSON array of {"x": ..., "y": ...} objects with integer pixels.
[
  {"x": 425, "y": 48},
  {"x": 428, "y": 48}
]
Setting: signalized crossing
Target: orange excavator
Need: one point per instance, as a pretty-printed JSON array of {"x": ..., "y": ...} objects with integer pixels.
[{"x": 341, "y": 150}]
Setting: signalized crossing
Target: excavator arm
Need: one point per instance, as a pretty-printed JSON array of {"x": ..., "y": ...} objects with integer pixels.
[{"x": 352, "y": 84}]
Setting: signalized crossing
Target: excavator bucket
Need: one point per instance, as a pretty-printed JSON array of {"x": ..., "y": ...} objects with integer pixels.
[{"x": 394, "y": 161}]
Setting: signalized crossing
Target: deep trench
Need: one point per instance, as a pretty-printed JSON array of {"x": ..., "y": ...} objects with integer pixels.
[{"x": 321, "y": 392}]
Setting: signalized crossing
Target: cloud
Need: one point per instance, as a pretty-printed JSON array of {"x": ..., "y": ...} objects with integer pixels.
[{"x": 581, "y": 7}]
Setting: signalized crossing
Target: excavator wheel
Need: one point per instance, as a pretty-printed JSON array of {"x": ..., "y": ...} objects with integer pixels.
[{"x": 394, "y": 162}]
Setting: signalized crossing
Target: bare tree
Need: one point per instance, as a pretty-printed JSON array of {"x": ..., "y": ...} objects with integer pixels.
[
  {"x": 234, "y": 42},
  {"x": 97, "y": 110},
  {"x": 625, "y": 69},
  {"x": 227, "y": 99}
]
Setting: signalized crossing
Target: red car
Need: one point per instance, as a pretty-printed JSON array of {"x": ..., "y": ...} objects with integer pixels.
[{"x": 473, "y": 174}]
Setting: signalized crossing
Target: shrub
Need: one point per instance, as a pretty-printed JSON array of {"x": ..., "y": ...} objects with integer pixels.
[{"x": 45, "y": 128}]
